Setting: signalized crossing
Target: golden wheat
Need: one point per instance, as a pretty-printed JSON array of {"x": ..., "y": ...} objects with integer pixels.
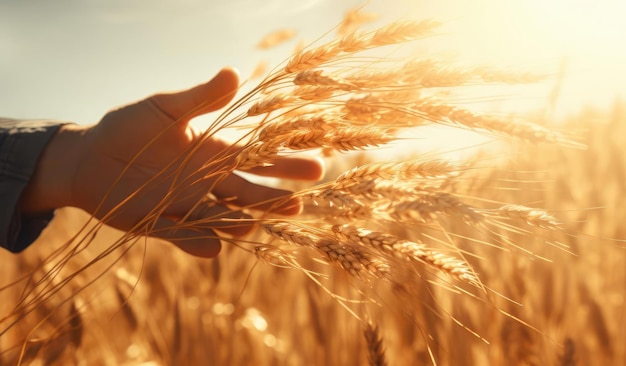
[{"x": 394, "y": 227}]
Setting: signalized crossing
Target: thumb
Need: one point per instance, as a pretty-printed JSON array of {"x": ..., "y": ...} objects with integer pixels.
[{"x": 208, "y": 97}]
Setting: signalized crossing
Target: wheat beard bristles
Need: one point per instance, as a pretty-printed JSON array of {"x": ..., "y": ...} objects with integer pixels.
[
  {"x": 313, "y": 93},
  {"x": 408, "y": 250},
  {"x": 336, "y": 198},
  {"x": 356, "y": 261},
  {"x": 269, "y": 104},
  {"x": 356, "y": 139},
  {"x": 272, "y": 255},
  {"x": 402, "y": 31},
  {"x": 305, "y": 60},
  {"x": 281, "y": 128},
  {"x": 526, "y": 131},
  {"x": 340, "y": 140},
  {"x": 353, "y": 19},
  {"x": 276, "y": 38},
  {"x": 394, "y": 33},
  {"x": 406, "y": 170},
  {"x": 397, "y": 32},
  {"x": 428, "y": 204},
  {"x": 257, "y": 154},
  {"x": 530, "y": 216},
  {"x": 315, "y": 78},
  {"x": 340, "y": 206}
]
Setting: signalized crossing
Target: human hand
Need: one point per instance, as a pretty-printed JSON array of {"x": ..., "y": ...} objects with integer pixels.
[{"x": 144, "y": 162}]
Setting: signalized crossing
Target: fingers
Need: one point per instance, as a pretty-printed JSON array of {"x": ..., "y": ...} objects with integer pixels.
[
  {"x": 296, "y": 168},
  {"x": 246, "y": 194},
  {"x": 197, "y": 235},
  {"x": 240, "y": 192},
  {"x": 200, "y": 243},
  {"x": 208, "y": 97},
  {"x": 284, "y": 167},
  {"x": 218, "y": 217}
]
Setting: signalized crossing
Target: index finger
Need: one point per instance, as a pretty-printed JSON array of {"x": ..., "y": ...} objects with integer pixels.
[
  {"x": 296, "y": 168},
  {"x": 236, "y": 190}
]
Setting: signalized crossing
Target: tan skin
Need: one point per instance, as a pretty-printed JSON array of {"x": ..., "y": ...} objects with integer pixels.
[{"x": 81, "y": 164}]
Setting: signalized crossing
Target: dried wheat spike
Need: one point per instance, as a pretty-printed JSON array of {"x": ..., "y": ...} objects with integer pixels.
[
  {"x": 406, "y": 170},
  {"x": 272, "y": 255},
  {"x": 445, "y": 77},
  {"x": 305, "y": 60},
  {"x": 353, "y": 19},
  {"x": 374, "y": 79},
  {"x": 284, "y": 127},
  {"x": 429, "y": 204},
  {"x": 531, "y": 216},
  {"x": 356, "y": 261},
  {"x": 269, "y": 104},
  {"x": 276, "y": 38},
  {"x": 408, "y": 250},
  {"x": 335, "y": 198},
  {"x": 390, "y": 191},
  {"x": 259, "y": 70},
  {"x": 257, "y": 154},
  {"x": 303, "y": 140},
  {"x": 337, "y": 205},
  {"x": 397, "y": 32},
  {"x": 345, "y": 139},
  {"x": 363, "y": 105},
  {"x": 354, "y": 42},
  {"x": 365, "y": 188},
  {"x": 440, "y": 112},
  {"x": 429, "y": 74},
  {"x": 375, "y": 349},
  {"x": 314, "y": 93},
  {"x": 402, "y": 31},
  {"x": 316, "y": 78},
  {"x": 349, "y": 139},
  {"x": 410, "y": 73}
]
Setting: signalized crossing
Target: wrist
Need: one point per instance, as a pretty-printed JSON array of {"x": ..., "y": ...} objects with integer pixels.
[{"x": 51, "y": 185}]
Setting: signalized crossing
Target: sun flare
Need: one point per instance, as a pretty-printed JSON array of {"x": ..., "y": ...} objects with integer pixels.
[{"x": 578, "y": 39}]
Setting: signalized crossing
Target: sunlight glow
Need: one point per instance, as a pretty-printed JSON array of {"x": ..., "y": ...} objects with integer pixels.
[{"x": 581, "y": 39}]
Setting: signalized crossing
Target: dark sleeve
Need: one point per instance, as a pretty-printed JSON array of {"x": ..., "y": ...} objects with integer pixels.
[{"x": 21, "y": 144}]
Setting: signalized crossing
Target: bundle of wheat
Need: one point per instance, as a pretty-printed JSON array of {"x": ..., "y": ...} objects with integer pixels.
[{"x": 414, "y": 225}]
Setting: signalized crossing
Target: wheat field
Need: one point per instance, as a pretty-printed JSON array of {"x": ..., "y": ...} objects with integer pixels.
[{"x": 507, "y": 257}]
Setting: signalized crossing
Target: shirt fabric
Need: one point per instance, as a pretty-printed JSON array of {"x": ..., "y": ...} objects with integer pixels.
[{"x": 21, "y": 144}]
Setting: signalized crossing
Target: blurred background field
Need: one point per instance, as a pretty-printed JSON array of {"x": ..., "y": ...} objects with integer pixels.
[{"x": 157, "y": 304}]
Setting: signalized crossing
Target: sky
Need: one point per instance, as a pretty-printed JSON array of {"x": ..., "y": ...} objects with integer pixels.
[{"x": 75, "y": 59}]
